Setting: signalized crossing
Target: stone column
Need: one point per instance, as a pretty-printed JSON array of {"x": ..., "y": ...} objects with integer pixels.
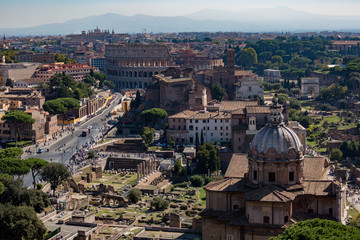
[
  {"x": 148, "y": 168},
  {"x": 138, "y": 172},
  {"x": 152, "y": 165},
  {"x": 141, "y": 171},
  {"x": 144, "y": 169}
]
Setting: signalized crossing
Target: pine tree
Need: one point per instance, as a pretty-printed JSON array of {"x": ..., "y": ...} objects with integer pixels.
[
  {"x": 197, "y": 142},
  {"x": 202, "y": 138}
]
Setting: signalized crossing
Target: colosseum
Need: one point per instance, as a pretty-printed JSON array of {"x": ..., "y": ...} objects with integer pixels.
[{"x": 133, "y": 65}]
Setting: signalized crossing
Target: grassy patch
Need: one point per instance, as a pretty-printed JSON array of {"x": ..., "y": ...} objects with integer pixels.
[{"x": 352, "y": 212}]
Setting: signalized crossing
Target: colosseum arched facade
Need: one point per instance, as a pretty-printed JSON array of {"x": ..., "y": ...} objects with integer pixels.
[{"x": 133, "y": 65}]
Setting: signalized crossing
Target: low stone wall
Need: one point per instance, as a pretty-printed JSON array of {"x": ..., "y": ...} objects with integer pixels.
[
  {"x": 48, "y": 216},
  {"x": 172, "y": 229}
]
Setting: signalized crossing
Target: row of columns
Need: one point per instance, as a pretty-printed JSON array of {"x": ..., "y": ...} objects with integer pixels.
[
  {"x": 146, "y": 168},
  {"x": 139, "y": 63}
]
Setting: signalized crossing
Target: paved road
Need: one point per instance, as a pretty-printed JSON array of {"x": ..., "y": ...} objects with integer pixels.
[{"x": 57, "y": 154}]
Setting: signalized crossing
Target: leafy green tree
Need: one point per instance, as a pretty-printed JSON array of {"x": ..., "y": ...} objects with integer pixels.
[
  {"x": 197, "y": 143},
  {"x": 208, "y": 159},
  {"x": 336, "y": 155},
  {"x": 159, "y": 204},
  {"x": 101, "y": 77},
  {"x": 202, "y": 138},
  {"x": 247, "y": 58},
  {"x": 214, "y": 160},
  {"x": 334, "y": 91},
  {"x": 90, "y": 80},
  {"x": 153, "y": 114},
  {"x": 277, "y": 59},
  {"x": 178, "y": 169},
  {"x": 318, "y": 229},
  {"x": 11, "y": 152},
  {"x": 61, "y": 106},
  {"x": 350, "y": 148},
  {"x": 197, "y": 181},
  {"x": 15, "y": 194},
  {"x": 148, "y": 136},
  {"x": 9, "y": 83},
  {"x": 62, "y": 85},
  {"x": 20, "y": 223},
  {"x": 217, "y": 92},
  {"x": 55, "y": 174},
  {"x": 14, "y": 167},
  {"x": 134, "y": 195},
  {"x": 64, "y": 59},
  {"x": 172, "y": 140},
  {"x": 17, "y": 118},
  {"x": 109, "y": 84},
  {"x": 35, "y": 165},
  {"x": 91, "y": 153}
]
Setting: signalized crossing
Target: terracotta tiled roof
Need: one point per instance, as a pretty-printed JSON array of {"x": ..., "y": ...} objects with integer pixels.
[
  {"x": 183, "y": 114},
  {"x": 188, "y": 114},
  {"x": 230, "y": 106},
  {"x": 315, "y": 168},
  {"x": 238, "y": 166},
  {"x": 230, "y": 185},
  {"x": 270, "y": 193},
  {"x": 258, "y": 109},
  {"x": 318, "y": 188}
]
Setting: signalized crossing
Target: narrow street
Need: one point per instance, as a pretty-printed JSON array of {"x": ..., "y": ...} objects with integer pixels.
[{"x": 60, "y": 153}]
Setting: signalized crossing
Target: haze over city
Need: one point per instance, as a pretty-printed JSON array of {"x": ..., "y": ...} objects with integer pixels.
[{"x": 24, "y": 13}]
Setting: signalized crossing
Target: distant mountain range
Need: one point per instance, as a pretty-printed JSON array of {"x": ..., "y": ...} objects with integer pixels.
[{"x": 276, "y": 19}]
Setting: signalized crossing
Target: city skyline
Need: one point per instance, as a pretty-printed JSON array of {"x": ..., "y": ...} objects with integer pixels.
[{"x": 21, "y": 13}]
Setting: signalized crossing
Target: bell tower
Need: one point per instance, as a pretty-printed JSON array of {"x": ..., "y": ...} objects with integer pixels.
[{"x": 230, "y": 58}]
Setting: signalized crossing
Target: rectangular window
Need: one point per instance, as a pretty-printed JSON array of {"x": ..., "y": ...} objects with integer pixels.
[
  {"x": 229, "y": 237},
  {"x": 271, "y": 177},
  {"x": 190, "y": 120},
  {"x": 266, "y": 219},
  {"x": 196, "y": 121},
  {"x": 215, "y": 128},
  {"x": 255, "y": 175},
  {"x": 204, "y": 121},
  {"x": 291, "y": 176}
]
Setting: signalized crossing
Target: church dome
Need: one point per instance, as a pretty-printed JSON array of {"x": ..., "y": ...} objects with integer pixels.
[{"x": 276, "y": 141}]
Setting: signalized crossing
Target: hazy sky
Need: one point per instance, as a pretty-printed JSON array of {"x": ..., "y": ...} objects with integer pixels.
[{"x": 24, "y": 13}]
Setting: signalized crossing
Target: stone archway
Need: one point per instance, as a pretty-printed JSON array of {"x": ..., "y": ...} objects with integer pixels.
[{"x": 310, "y": 87}]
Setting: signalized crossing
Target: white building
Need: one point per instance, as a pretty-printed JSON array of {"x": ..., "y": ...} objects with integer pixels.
[
  {"x": 216, "y": 126},
  {"x": 247, "y": 88}
]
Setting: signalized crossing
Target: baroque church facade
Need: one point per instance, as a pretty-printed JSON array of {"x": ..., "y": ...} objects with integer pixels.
[{"x": 271, "y": 188}]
